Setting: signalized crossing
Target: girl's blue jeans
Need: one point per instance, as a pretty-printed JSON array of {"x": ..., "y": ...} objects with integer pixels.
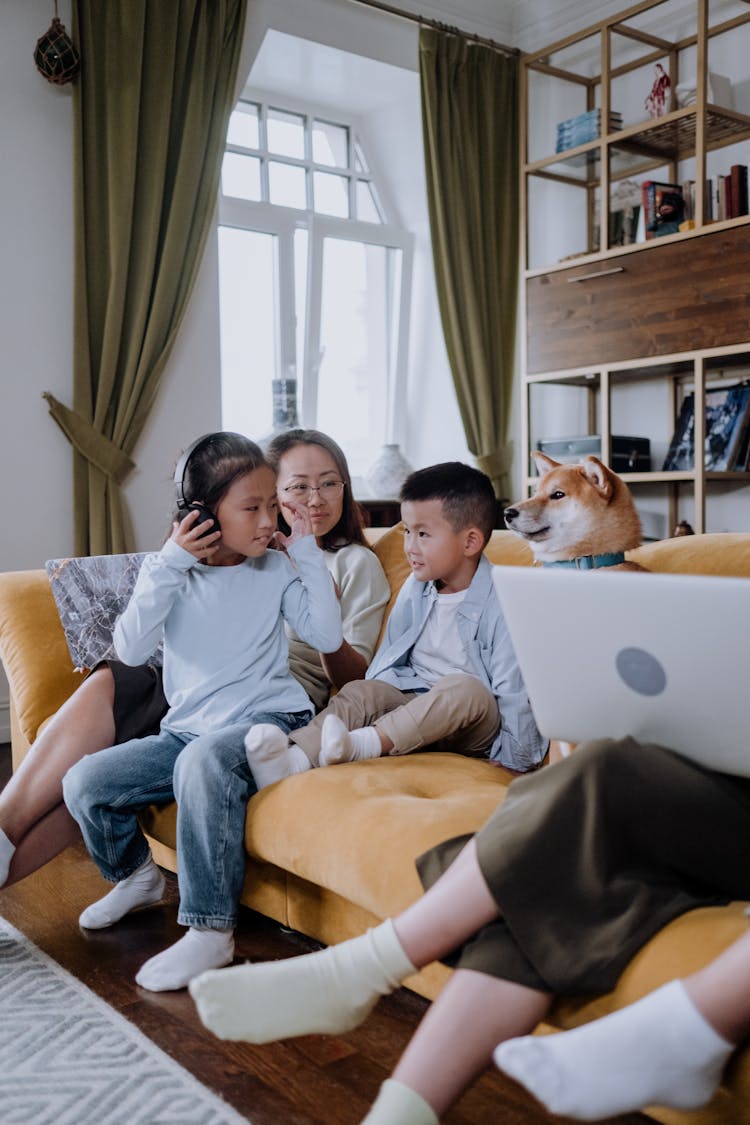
[{"x": 212, "y": 783}]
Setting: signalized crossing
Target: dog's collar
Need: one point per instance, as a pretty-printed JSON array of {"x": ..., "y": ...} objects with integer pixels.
[{"x": 589, "y": 562}]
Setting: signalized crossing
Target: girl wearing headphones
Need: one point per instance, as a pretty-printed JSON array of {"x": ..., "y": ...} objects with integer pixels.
[
  {"x": 218, "y": 599},
  {"x": 116, "y": 702}
]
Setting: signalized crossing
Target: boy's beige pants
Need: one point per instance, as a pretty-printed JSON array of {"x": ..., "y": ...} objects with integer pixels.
[{"x": 458, "y": 714}]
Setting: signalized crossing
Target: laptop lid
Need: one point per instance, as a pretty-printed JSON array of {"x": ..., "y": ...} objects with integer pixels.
[{"x": 661, "y": 657}]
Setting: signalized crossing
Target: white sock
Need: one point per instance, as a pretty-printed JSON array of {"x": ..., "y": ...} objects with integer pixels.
[
  {"x": 192, "y": 955},
  {"x": 7, "y": 851},
  {"x": 327, "y": 992},
  {"x": 271, "y": 756},
  {"x": 658, "y": 1051},
  {"x": 337, "y": 744},
  {"x": 397, "y": 1104},
  {"x": 143, "y": 888}
]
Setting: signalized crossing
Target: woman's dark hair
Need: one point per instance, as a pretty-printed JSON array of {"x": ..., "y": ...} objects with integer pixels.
[
  {"x": 215, "y": 464},
  {"x": 349, "y": 527}
]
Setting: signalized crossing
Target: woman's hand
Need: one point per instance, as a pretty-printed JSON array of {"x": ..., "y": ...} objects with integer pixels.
[
  {"x": 300, "y": 524},
  {"x": 191, "y": 535}
]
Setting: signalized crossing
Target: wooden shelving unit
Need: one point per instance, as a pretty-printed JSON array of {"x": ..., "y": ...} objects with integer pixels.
[{"x": 671, "y": 308}]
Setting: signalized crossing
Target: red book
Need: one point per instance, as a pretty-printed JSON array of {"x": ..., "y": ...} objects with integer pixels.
[{"x": 738, "y": 177}]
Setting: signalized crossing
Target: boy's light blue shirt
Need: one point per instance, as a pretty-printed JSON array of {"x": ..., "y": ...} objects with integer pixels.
[{"x": 484, "y": 635}]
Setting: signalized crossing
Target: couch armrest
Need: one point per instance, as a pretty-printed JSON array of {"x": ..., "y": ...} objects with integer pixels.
[{"x": 34, "y": 652}]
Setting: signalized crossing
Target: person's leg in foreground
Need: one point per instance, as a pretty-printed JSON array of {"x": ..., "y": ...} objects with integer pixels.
[
  {"x": 333, "y": 990},
  {"x": 670, "y": 1048},
  {"x": 35, "y": 825}
]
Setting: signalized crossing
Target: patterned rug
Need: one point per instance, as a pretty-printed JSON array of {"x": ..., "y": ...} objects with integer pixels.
[{"x": 68, "y": 1058}]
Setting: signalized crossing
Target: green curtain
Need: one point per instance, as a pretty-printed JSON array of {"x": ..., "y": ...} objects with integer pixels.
[
  {"x": 470, "y": 123},
  {"x": 150, "y": 117}
]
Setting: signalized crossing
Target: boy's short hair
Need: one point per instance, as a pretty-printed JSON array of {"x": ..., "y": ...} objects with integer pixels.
[{"x": 466, "y": 494}]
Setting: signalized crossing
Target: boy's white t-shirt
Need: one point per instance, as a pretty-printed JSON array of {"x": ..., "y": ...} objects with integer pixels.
[{"x": 438, "y": 651}]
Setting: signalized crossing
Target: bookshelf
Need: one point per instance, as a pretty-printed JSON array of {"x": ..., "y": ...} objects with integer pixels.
[{"x": 625, "y": 332}]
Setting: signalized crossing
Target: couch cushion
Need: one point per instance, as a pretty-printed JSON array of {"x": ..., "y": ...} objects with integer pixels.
[
  {"x": 506, "y": 549},
  {"x": 356, "y": 828},
  {"x": 724, "y": 553},
  {"x": 33, "y": 648}
]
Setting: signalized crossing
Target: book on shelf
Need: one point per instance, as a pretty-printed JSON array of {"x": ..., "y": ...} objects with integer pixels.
[
  {"x": 727, "y": 432},
  {"x": 584, "y": 127},
  {"x": 721, "y": 198},
  {"x": 663, "y": 207},
  {"x": 688, "y": 196},
  {"x": 708, "y": 202},
  {"x": 738, "y": 189},
  {"x": 729, "y": 198}
]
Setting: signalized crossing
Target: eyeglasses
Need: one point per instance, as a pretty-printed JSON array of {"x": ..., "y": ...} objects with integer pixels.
[{"x": 328, "y": 490}]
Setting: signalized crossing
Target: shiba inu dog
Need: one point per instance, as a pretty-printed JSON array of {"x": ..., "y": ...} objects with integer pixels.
[{"x": 580, "y": 516}]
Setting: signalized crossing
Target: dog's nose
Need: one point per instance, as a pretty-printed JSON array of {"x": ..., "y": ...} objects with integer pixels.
[{"x": 510, "y": 514}]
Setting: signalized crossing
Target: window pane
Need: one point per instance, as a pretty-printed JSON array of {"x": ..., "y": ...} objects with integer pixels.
[
  {"x": 301, "y": 242},
  {"x": 330, "y": 144},
  {"x": 367, "y": 207},
  {"x": 331, "y": 194},
  {"x": 240, "y": 176},
  {"x": 359, "y": 158},
  {"x": 243, "y": 126},
  {"x": 248, "y": 317},
  {"x": 286, "y": 185},
  {"x": 286, "y": 133},
  {"x": 356, "y": 330}
]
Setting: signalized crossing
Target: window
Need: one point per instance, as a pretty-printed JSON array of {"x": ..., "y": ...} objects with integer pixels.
[{"x": 314, "y": 279}]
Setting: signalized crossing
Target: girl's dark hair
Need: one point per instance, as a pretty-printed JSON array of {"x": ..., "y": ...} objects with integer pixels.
[
  {"x": 349, "y": 527},
  {"x": 216, "y": 464}
]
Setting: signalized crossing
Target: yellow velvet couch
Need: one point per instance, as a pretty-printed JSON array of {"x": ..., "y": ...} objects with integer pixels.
[{"x": 331, "y": 852}]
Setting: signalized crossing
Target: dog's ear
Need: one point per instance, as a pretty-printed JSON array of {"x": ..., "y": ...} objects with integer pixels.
[
  {"x": 602, "y": 478},
  {"x": 544, "y": 463}
]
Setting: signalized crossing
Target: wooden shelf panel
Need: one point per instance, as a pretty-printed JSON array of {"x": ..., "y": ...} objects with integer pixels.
[
  {"x": 666, "y": 138},
  {"x": 690, "y": 295},
  {"x": 673, "y": 308}
]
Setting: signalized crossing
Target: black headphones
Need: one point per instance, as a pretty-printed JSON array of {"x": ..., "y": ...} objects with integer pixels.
[{"x": 183, "y": 505}]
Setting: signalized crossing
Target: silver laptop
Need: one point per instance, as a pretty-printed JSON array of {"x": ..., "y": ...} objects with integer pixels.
[{"x": 661, "y": 657}]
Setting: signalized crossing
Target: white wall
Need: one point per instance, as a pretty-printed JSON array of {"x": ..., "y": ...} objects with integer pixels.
[{"x": 36, "y": 282}]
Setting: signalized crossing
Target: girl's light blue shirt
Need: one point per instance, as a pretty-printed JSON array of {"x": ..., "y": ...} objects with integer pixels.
[{"x": 225, "y": 648}]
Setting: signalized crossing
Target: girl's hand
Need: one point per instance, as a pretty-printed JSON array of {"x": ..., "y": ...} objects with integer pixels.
[
  {"x": 190, "y": 535},
  {"x": 300, "y": 524}
]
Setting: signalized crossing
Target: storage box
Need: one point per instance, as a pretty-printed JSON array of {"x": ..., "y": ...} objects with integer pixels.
[
  {"x": 718, "y": 92},
  {"x": 629, "y": 454}
]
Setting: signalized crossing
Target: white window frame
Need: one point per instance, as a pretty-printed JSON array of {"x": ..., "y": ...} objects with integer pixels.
[{"x": 283, "y": 222}]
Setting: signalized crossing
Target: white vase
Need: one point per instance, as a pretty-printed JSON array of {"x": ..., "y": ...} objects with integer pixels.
[
  {"x": 387, "y": 473},
  {"x": 284, "y": 405}
]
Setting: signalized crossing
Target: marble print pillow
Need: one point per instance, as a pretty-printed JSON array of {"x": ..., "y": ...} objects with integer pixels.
[{"x": 90, "y": 594}]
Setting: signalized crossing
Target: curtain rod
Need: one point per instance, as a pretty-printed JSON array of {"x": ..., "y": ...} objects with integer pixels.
[{"x": 425, "y": 21}]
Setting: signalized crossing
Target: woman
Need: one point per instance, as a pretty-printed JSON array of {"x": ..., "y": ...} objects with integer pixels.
[
  {"x": 581, "y": 864},
  {"x": 117, "y": 703}
]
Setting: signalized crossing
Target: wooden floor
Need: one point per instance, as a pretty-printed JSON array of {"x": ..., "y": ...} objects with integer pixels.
[{"x": 315, "y": 1080}]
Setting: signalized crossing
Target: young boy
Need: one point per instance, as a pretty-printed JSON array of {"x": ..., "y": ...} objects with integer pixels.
[{"x": 445, "y": 676}]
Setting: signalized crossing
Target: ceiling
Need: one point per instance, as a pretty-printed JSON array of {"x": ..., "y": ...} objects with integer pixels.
[{"x": 528, "y": 24}]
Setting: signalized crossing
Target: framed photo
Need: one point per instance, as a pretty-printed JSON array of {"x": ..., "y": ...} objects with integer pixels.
[
  {"x": 726, "y": 420},
  {"x": 681, "y": 452},
  {"x": 727, "y": 424}
]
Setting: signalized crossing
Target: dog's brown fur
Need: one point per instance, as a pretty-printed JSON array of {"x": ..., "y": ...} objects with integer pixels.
[{"x": 577, "y": 510}]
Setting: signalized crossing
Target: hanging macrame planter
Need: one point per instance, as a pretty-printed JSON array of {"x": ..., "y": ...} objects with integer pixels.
[{"x": 55, "y": 54}]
